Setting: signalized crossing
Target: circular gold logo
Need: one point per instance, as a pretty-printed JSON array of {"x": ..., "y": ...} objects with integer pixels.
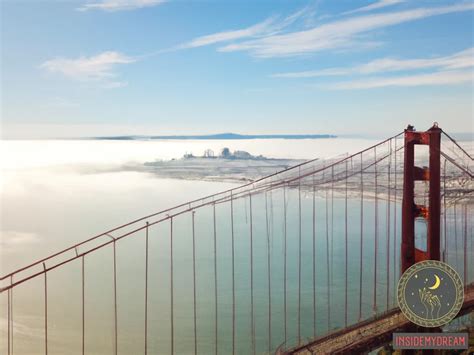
[{"x": 430, "y": 293}]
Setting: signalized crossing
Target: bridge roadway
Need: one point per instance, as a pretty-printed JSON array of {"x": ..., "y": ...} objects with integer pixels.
[{"x": 368, "y": 335}]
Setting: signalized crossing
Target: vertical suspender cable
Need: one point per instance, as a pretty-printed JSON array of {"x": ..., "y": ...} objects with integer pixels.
[
  {"x": 327, "y": 258},
  {"x": 375, "y": 230},
  {"x": 346, "y": 254},
  {"x": 215, "y": 283},
  {"x": 11, "y": 313},
  {"x": 268, "y": 279},
  {"x": 272, "y": 223},
  {"x": 471, "y": 237},
  {"x": 146, "y": 288},
  {"x": 456, "y": 235},
  {"x": 445, "y": 226},
  {"x": 465, "y": 244},
  {"x": 171, "y": 286},
  {"x": 233, "y": 270},
  {"x": 9, "y": 320},
  {"x": 83, "y": 310},
  {"x": 332, "y": 227},
  {"x": 45, "y": 310},
  {"x": 251, "y": 278},
  {"x": 115, "y": 301},
  {"x": 361, "y": 233},
  {"x": 395, "y": 220},
  {"x": 389, "y": 201},
  {"x": 314, "y": 258},
  {"x": 299, "y": 256},
  {"x": 285, "y": 263},
  {"x": 194, "y": 281}
]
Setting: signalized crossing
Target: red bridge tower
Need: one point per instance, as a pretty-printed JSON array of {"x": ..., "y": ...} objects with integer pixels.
[{"x": 410, "y": 211}]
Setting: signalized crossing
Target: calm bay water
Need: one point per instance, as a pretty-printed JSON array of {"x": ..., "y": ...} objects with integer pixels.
[
  {"x": 55, "y": 193},
  {"x": 50, "y": 187}
]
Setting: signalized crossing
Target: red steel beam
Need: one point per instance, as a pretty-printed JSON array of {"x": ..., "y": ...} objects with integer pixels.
[
  {"x": 434, "y": 223},
  {"x": 408, "y": 205}
]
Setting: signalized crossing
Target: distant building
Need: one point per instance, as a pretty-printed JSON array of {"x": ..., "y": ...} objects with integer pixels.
[
  {"x": 225, "y": 153},
  {"x": 208, "y": 153},
  {"x": 241, "y": 154}
]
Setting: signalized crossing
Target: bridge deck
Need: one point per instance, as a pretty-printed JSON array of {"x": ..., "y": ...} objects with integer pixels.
[{"x": 369, "y": 334}]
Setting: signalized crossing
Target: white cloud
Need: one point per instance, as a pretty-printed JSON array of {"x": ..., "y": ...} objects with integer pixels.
[
  {"x": 460, "y": 60},
  {"x": 268, "y": 27},
  {"x": 375, "y": 6},
  {"x": 118, "y": 5},
  {"x": 337, "y": 34},
  {"x": 252, "y": 31},
  {"x": 431, "y": 79},
  {"x": 99, "y": 68}
]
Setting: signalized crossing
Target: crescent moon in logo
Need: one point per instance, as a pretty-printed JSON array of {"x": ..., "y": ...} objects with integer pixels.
[{"x": 436, "y": 284}]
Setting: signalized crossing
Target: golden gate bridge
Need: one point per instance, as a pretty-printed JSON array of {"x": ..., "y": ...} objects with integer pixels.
[{"x": 305, "y": 260}]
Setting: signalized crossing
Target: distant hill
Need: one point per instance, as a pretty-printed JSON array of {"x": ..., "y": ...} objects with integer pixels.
[{"x": 228, "y": 136}]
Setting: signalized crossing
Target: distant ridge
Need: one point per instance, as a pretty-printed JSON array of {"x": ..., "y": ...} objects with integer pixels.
[{"x": 228, "y": 136}]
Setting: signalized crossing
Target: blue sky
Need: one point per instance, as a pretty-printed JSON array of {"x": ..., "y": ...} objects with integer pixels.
[{"x": 95, "y": 67}]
